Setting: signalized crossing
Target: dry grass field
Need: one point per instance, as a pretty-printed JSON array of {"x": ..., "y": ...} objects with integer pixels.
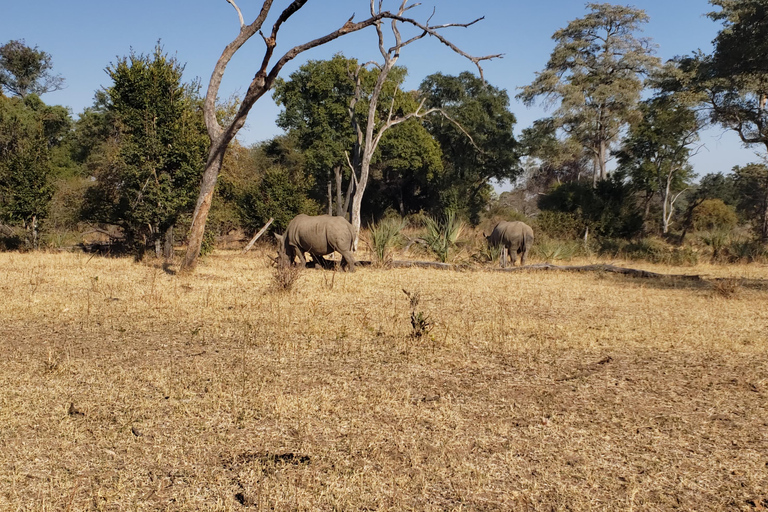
[{"x": 123, "y": 387}]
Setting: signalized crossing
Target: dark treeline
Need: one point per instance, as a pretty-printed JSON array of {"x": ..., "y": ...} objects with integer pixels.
[{"x": 609, "y": 166}]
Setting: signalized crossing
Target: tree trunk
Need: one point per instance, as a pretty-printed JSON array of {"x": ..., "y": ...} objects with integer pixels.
[
  {"x": 764, "y": 230},
  {"x": 203, "y": 206},
  {"x": 665, "y": 206},
  {"x": 330, "y": 198},
  {"x": 34, "y": 232},
  {"x": 339, "y": 195},
  {"x": 168, "y": 244}
]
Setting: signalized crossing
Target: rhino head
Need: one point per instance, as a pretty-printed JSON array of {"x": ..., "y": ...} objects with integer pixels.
[{"x": 282, "y": 255}]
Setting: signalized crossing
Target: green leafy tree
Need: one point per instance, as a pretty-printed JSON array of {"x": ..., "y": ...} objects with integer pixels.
[
  {"x": 148, "y": 167},
  {"x": 596, "y": 73},
  {"x": 607, "y": 209},
  {"x": 711, "y": 186},
  {"x": 733, "y": 81},
  {"x": 316, "y": 101},
  {"x": 30, "y": 132},
  {"x": 656, "y": 152},
  {"x": 25, "y": 70},
  {"x": 550, "y": 160},
  {"x": 752, "y": 184},
  {"x": 475, "y": 136},
  {"x": 279, "y": 185},
  {"x": 325, "y": 105}
]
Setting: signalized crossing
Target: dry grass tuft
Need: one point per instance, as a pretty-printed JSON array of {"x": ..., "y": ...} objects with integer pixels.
[
  {"x": 123, "y": 387},
  {"x": 285, "y": 277},
  {"x": 726, "y": 287}
]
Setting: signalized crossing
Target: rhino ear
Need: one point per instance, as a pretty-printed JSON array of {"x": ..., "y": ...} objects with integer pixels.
[{"x": 280, "y": 238}]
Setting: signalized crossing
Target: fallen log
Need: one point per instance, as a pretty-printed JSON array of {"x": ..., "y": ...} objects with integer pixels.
[{"x": 599, "y": 267}]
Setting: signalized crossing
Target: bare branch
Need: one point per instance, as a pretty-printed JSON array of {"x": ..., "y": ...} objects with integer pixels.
[{"x": 239, "y": 14}]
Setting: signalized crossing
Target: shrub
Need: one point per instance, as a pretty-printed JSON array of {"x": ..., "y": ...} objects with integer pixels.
[
  {"x": 559, "y": 225},
  {"x": 384, "y": 235},
  {"x": 713, "y": 215},
  {"x": 653, "y": 250},
  {"x": 549, "y": 249},
  {"x": 442, "y": 235}
]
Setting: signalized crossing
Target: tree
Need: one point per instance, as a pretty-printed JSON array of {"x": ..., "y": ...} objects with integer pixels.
[
  {"x": 147, "y": 168},
  {"x": 25, "y": 70},
  {"x": 30, "y": 131},
  {"x": 319, "y": 103},
  {"x": 477, "y": 109},
  {"x": 324, "y": 108},
  {"x": 711, "y": 186},
  {"x": 752, "y": 184},
  {"x": 733, "y": 81},
  {"x": 264, "y": 78},
  {"x": 596, "y": 73},
  {"x": 656, "y": 152}
]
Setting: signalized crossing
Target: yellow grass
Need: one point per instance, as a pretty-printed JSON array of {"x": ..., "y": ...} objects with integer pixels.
[{"x": 123, "y": 387}]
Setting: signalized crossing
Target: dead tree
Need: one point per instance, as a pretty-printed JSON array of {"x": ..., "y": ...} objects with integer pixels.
[
  {"x": 264, "y": 78},
  {"x": 374, "y": 130}
]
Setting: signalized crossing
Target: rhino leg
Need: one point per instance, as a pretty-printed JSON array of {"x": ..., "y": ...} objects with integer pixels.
[
  {"x": 349, "y": 260},
  {"x": 298, "y": 252}
]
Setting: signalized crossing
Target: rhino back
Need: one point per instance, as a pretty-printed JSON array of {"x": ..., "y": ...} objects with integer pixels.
[
  {"x": 512, "y": 233},
  {"x": 321, "y": 234}
]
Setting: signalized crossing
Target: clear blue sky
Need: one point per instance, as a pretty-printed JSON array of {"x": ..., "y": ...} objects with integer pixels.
[{"x": 85, "y": 36}]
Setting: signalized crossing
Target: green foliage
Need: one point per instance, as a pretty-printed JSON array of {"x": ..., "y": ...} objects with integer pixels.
[
  {"x": 25, "y": 70},
  {"x": 595, "y": 73},
  {"x": 384, "y": 235},
  {"x": 441, "y": 235},
  {"x": 608, "y": 209},
  {"x": 146, "y": 150},
  {"x": 30, "y": 132},
  {"x": 323, "y": 113},
  {"x": 713, "y": 214},
  {"x": 656, "y": 152},
  {"x": 278, "y": 186},
  {"x": 560, "y": 225},
  {"x": 483, "y": 113}
]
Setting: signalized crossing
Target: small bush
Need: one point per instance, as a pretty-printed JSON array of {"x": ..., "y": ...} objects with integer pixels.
[
  {"x": 551, "y": 250},
  {"x": 713, "y": 215},
  {"x": 559, "y": 225},
  {"x": 285, "y": 277},
  {"x": 441, "y": 236}
]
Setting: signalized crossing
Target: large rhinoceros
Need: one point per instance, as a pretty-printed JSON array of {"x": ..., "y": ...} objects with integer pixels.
[
  {"x": 318, "y": 235},
  {"x": 516, "y": 236}
]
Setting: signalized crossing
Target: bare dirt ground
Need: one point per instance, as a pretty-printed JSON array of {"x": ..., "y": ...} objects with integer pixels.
[{"x": 125, "y": 388}]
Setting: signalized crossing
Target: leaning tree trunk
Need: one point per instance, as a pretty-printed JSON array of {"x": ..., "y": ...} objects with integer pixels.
[{"x": 203, "y": 206}]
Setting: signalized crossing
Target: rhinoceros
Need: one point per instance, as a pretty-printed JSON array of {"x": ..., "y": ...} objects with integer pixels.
[
  {"x": 318, "y": 235},
  {"x": 516, "y": 236}
]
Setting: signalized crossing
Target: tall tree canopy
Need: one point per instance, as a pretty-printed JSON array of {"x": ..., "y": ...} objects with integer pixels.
[
  {"x": 25, "y": 70},
  {"x": 30, "y": 132},
  {"x": 733, "y": 82},
  {"x": 596, "y": 74},
  {"x": 148, "y": 167},
  {"x": 475, "y": 136},
  {"x": 656, "y": 152}
]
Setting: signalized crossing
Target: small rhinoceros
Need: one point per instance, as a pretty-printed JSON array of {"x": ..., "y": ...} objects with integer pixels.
[
  {"x": 516, "y": 236},
  {"x": 318, "y": 235}
]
